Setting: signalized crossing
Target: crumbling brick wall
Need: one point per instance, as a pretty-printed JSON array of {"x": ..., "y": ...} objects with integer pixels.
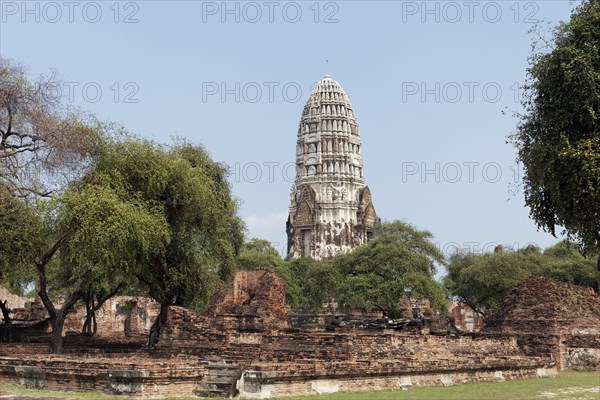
[
  {"x": 247, "y": 328},
  {"x": 543, "y": 305},
  {"x": 12, "y": 300},
  {"x": 120, "y": 316},
  {"x": 138, "y": 374},
  {"x": 465, "y": 318},
  {"x": 254, "y": 300},
  {"x": 554, "y": 317}
]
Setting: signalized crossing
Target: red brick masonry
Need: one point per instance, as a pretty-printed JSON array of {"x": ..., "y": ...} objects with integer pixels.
[{"x": 246, "y": 347}]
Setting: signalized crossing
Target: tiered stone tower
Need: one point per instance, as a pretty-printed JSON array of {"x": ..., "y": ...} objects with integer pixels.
[{"x": 331, "y": 210}]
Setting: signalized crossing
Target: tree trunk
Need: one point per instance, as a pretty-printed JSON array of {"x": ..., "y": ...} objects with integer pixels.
[
  {"x": 5, "y": 311},
  {"x": 86, "y": 329},
  {"x": 598, "y": 273},
  {"x": 57, "y": 337},
  {"x": 57, "y": 317},
  {"x": 5, "y": 332},
  {"x": 93, "y": 303},
  {"x": 158, "y": 325}
]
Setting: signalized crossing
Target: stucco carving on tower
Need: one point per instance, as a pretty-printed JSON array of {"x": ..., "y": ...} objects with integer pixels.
[{"x": 331, "y": 208}]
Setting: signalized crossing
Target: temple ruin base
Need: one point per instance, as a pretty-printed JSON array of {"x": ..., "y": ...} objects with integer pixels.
[{"x": 248, "y": 346}]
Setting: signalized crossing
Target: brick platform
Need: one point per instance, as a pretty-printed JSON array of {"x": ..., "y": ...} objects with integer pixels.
[{"x": 247, "y": 346}]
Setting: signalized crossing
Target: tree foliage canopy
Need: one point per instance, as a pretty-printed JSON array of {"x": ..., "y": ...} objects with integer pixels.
[
  {"x": 482, "y": 280},
  {"x": 109, "y": 235},
  {"x": 558, "y": 137},
  {"x": 186, "y": 197},
  {"x": 19, "y": 240},
  {"x": 43, "y": 142},
  {"x": 399, "y": 261}
]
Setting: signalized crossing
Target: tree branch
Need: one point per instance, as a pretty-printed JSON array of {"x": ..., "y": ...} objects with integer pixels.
[
  {"x": 43, "y": 290},
  {"x": 40, "y": 263},
  {"x": 48, "y": 255},
  {"x": 473, "y": 307},
  {"x": 72, "y": 299},
  {"x": 5, "y": 311},
  {"x": 108, "y": 296}
]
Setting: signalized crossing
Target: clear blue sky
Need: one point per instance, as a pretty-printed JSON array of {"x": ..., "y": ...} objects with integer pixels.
[{"x": 428, "y": 82}]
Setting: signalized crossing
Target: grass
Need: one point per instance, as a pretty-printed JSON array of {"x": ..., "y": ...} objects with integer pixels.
[
  {"x": 514, "y": 389},
  {"x": 568, "y": 385}
]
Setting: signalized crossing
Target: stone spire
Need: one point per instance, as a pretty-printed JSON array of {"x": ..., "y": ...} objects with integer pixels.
[{"x": 331, "y": 211}]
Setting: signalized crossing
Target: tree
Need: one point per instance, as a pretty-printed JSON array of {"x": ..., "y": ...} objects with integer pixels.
[
  {"x": 98, "y": 231},
  {"x": 399, "y": 261},
  {"x": 43, "y": 143},
  {"x": 94, "y": 298},
  {"x": 192, "y": 196},
  {"x": 44, "y": 146},
  {"x": 564, "y": 262},
  {"x": 19, "y": 226},
  {"x": 315, "y": 284},
  {"x": 482, "y": 280},
  {"x": 259, "y": 253},
  {"x": 558, "y": 137}
]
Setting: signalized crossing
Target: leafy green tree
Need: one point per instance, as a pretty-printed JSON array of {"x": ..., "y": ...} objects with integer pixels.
[
  {"x": 399, "y": 261},
  {"x": 482, "y": 280},
  {"x": 97, "y": 231},
  {"x": 191, "y": 195},
  {"x": 44, "y": 145},
  {"x": 564, "y": 262},
  {"x": 316, "y": 284},
  {"x": 259, "y": 253},
  {"x": 19, "y": 226},
  {"x": 558, "y": 137}
]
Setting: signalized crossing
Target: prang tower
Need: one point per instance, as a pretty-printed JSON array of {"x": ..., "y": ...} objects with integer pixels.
[{"x": 331, "y": 210}]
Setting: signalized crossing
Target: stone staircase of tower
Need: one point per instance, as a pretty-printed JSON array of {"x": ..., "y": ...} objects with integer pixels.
[{"x": 220, "y": 379}]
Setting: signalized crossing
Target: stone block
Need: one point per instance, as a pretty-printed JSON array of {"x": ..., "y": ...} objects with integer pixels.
[
  {"x": 127, "y": 381},
  {"x": 30, "y": 377}
]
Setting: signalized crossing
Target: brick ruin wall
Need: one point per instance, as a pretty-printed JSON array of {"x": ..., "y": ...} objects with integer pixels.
[
  {"x": 137, "y": 374},
  {"x": 567, "y": 316},
  {"x": 13, "y": 300},
  {"x": 247, "y": 331},
  {"x": 272, "y": 363},
  {"x": 296, "y": 362},
  {"x": 465, "y": 318},
  {"x": 120, "y": 316}
]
